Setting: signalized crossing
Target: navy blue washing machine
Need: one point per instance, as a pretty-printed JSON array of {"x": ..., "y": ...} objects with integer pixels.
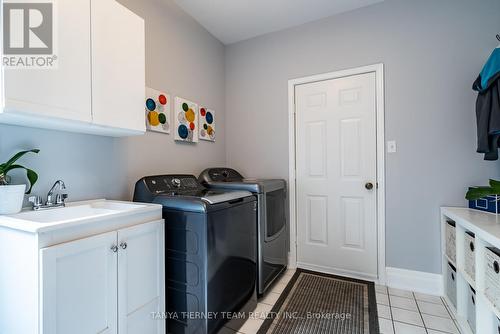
[{"x": 211, "y": 255}]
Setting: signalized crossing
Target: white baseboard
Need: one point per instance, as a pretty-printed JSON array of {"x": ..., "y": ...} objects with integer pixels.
[
  {"x": 417, "y": 281},
  {"x": 292, "y": 263}
]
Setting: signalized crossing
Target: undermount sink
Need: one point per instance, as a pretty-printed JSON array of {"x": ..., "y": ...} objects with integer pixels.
[{"x": 75, "y": 212}]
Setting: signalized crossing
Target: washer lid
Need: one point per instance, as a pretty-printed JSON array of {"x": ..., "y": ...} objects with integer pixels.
[
  {"x": 254, "y": 186},
  {"x": 212, "y": 197}
]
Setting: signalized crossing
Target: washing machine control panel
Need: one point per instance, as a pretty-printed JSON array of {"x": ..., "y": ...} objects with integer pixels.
[{"x": 172, "y": 183}]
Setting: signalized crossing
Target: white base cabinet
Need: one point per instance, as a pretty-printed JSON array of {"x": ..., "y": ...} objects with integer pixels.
[
  {"x": 99, "y": 278},
  {"x": 98, "y": 86}
]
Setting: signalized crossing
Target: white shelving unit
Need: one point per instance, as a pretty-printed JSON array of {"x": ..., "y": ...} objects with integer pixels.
[{"x": 486, "y": 228}]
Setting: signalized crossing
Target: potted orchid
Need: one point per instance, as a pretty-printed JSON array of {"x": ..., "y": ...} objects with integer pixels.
[{"x": 12, "y": 196}]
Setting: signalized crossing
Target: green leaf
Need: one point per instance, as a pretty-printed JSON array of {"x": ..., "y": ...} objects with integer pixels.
[
  {"x": 16, "y": 157},
  {"x": 480, "y": 192},
  {"x": 495, "y": 184},
  {"x": 32, "y": 176}
]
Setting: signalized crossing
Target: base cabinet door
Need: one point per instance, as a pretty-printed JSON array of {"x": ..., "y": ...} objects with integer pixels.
[
  {"x": 78, "y": 282},
  {"x": 141, "y": 279}
]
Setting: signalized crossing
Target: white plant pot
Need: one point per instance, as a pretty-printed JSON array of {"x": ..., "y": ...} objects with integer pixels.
[{"x": 11, "y": 198}]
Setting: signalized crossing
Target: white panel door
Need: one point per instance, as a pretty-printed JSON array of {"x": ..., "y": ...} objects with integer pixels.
[
  {"x": 79, "y": 286},
  {"x": 63, "y": 92},
  {"x": 118, "y": 66},
  {"x": 336, "y": 163},
  {"x": 141, "y": 279}
]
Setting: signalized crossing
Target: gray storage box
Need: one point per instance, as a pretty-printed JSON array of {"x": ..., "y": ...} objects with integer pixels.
[
  {"x": 451, "y": 250},
  {"x": 470, "y": 255},
  {"x": 471, "y": 309},
  {"x": 451, "y": 284}
]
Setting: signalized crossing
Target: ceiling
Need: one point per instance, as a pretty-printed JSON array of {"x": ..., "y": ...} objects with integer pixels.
[{"x": 236, "y": 20}]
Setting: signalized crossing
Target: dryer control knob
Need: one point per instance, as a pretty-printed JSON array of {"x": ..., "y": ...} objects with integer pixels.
[{"x": 176, "y": 183}]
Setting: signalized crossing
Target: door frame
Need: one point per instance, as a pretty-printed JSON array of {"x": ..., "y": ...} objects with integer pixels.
[{"x": 378, "y": 69}]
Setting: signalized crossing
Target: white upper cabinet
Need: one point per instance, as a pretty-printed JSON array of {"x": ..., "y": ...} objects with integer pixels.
[
  {"x": 118, "y": 66},
  {"x": 98, "y": 84},
  {"x": 65, "y": 92}
]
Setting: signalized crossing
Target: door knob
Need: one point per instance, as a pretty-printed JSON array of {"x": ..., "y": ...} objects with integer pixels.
[
  {"x": 123, "y": 245},
  {"x": 369, "y": 185}
]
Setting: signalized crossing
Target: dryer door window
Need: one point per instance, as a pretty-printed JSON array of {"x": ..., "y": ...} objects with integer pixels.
[{"x": 275, "y": 213}]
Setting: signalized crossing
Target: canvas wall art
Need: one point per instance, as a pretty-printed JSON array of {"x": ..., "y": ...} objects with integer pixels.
[
  {"x": 207, "y": 124},
  {"x": 157, "y": 111},
  {"x": 186, "y": 120}
]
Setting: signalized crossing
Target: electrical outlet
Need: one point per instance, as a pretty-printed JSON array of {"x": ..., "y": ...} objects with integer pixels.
[{"x": 391, "y": 146}]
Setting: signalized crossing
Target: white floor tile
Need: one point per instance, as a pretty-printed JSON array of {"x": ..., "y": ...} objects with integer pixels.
[
  {"x": 433, "y": 309},
  {"x": 440, "y": 324},
  {"x": 384, "y": 311},
  {"x": 404, "y": 303},
  {"x": 382, "y": 298},
  {"x": 408, "y": 329},
  {"x": 432, "y": 331},
  {"x": 380, "y": 288},
  {"x": 278, "y": 287},
  {"x": 409, "y": 317},
  {"x": 226, "y": 330},
  {"x": 251, "y": 326},
  {"x": 400, "y": 293},
  {"x": 385, "y": 326},
  {"x": 262, "y": 311},
  {"x": 270, "y": 298},
  {"x": 428, "y": 298}
]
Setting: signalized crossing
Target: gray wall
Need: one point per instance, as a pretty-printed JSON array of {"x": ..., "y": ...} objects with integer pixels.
[
  {"x": 183, "y": 59},
  {"x": 432, "y": 51}
]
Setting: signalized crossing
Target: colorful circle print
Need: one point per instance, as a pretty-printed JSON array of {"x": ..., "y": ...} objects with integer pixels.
[
  {"x": 162, "y": 118},
  {"x": 150, "y": 104},
  {"x": 209, "y": 117},
  {"x": 183, "y": 131},
  {"x": 163, "y": 99},
  {"x": 203, "y": 111},
  {"x": 153, "y": 118},
  {"x": 191, "y": 126},
  {"x": 190, "y": 116},
  {"x": 185, "y": 106}
]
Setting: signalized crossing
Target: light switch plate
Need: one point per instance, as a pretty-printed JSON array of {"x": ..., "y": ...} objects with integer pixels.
[{"x": 391, "y": 146}]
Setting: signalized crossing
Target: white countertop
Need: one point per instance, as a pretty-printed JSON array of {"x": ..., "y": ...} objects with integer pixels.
[
  {"x": 484, "y": 224},
  {"x": 18, "y": 223}
]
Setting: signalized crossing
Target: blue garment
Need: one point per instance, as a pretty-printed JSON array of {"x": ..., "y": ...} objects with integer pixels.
[
  {"x": 490, "y": 72},
  {"x": 488, "y": 107}
]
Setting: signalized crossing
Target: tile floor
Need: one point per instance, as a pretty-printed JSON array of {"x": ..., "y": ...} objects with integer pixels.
[
  {"x": 265, "y": 304},
  {"x": 399, "y": 311},
  {"x": 406, "y": 312}
]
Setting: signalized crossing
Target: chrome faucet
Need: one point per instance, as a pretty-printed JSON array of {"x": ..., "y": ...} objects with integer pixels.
[{"x": 50, "y": 204}]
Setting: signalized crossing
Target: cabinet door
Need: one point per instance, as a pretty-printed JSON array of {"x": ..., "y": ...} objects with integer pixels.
[
  {"x": 141, "y": 279},
  {"x": 79, "y": 286},
  {"x": 118, "y": 66},
  {"x": 63, "y": 92}
]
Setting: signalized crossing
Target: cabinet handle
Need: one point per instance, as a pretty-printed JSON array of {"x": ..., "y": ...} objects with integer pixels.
[
  {"x": 471, "y": 245},
  {"x": 496, "y": 267},
  {"x": 123, "y": 245},
  {"x": 114, "y": 248}
]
